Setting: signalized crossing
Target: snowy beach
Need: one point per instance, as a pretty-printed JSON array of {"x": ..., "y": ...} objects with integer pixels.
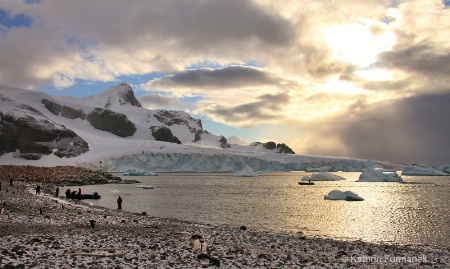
[{"x": 41, "y": 231}]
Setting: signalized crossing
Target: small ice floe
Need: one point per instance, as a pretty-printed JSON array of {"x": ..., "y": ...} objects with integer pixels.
[
  {"x": 372, "y": 175},
  {"x": 145, "y": 186},
  {"x": 132, "y": 172},
  {"x": 421, "y": 170},
  {"x": 246, "y": 171},
  {"x": 114, "y": 191},
  {"x": 324, "y": 176},
  {"x": 342, "y": 195}
]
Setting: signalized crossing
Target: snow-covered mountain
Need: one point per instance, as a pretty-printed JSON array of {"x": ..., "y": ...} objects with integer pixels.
[{"x": 112, "y": 131}]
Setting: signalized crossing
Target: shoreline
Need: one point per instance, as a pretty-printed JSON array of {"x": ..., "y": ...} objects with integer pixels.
[{"x": 62, "y": 237}]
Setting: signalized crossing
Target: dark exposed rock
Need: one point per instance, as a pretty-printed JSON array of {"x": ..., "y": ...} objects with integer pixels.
[
  {"x": 127, "y": 96},
  {"x": 283, "y": 148},
  {"x": 72, "y": 113},
  {"x": 112, "y": 122},
  {"x": 198, "y": 136},
  {"x": 37, "y": 137},
  {"x": 170, "y": 118},
  {"x": 62, "y": 110},
  {"x": 270, "y": 145},
  {"x": 164, "y": 134},
  {"x": 30, "y": 156},
  {"x": 224, "y": 143},
  {"x": 53, "y": 107}
]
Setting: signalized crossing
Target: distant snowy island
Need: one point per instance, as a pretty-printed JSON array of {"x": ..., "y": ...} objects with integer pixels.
[{"x": 113, "y": 132}]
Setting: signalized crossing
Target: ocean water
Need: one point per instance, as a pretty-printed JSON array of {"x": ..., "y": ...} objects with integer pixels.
[{"x": 410, "y": 214}]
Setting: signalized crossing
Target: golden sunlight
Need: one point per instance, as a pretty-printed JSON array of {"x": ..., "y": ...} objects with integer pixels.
[
  {"x": 375, "y": 74},
  {"x": 334, "y": 85},
  {"x": 356, "y": 43}
]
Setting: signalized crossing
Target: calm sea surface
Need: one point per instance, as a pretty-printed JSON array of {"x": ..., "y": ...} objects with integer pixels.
[{"x": 417, "y": 214}]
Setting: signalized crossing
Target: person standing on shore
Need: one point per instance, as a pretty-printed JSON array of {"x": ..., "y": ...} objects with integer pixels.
[
  {"x": 10, "y": 182},
  {"x": 57, "y": 191},
  {"x": 38, "y": 189},
  {"x": 119, "y": 202}
]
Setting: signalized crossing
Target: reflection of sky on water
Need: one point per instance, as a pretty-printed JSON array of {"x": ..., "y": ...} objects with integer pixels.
[{"x": 391, "y": 212}]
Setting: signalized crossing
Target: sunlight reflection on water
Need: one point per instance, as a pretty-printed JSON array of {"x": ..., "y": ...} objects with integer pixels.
[{"x": 391, "y": 212}]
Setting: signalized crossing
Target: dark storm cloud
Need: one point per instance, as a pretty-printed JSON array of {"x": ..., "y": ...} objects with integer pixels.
[
  {"x": 190, "y": 23},
  {"x": 266, "y": 107},
  {"x": 389, "y": 85},
  {"x": 419, "y": 58},
  {"x": 132, "y": 37},
  {"x": 413, "y": 130},
  {"x": 228, "y": 77}
]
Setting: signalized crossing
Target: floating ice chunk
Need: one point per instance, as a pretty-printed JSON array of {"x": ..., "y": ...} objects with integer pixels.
[
  {"x": 246, "y": 171},
  {"x": 421, "y": 170},
  {"x": 145, "y": 186},
  {"x": 324, "y": 176},
  {"x": 132, "y": 172},
  {"x": 342, "y": 195},
  {"x": 442, "y": 167},
  {"x": 371, "y": 175}
]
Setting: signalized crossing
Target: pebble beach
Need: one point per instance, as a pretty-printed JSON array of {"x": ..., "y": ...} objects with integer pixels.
[{"x": 44, "y": 231}]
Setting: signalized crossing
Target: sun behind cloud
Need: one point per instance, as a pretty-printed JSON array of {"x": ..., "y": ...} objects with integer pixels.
[{"x": 358, "y": 43}]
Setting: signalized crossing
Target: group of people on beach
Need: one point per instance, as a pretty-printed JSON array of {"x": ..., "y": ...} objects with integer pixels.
[{"x": 72, "y": 194}]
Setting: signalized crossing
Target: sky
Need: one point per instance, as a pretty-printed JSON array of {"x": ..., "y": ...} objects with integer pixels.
[{"x": 364, "y": 79}]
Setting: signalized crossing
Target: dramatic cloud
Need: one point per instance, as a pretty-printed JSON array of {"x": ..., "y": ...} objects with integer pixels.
[
  {"x": 268, "y": 108},
  {"x": 111, "y": 38},
  {"x": 223, "y": 78},
  {"x": 321, "y": 76},
  {"x": 408, "y": 131},
  {"x": 423, "y": 60}
]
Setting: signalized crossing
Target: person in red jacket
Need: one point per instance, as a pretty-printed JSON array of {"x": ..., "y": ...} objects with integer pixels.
[{"x": 119, "y": 202}]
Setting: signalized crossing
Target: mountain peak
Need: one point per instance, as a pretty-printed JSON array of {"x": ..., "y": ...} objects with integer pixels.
[{"x": 114, "y": 96}]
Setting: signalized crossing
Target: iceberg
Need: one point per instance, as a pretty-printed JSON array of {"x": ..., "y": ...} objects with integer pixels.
[
  {"x": 132, "y": 172},
  {"x": 324, "y": 176},
  {"x": 421, "y": 170},
  {"x": 442, "y": 167},
  {"x": 246, "y": 171},
  {"x": 342, "y": 195},
  {"x": 372, "y": 175}
]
